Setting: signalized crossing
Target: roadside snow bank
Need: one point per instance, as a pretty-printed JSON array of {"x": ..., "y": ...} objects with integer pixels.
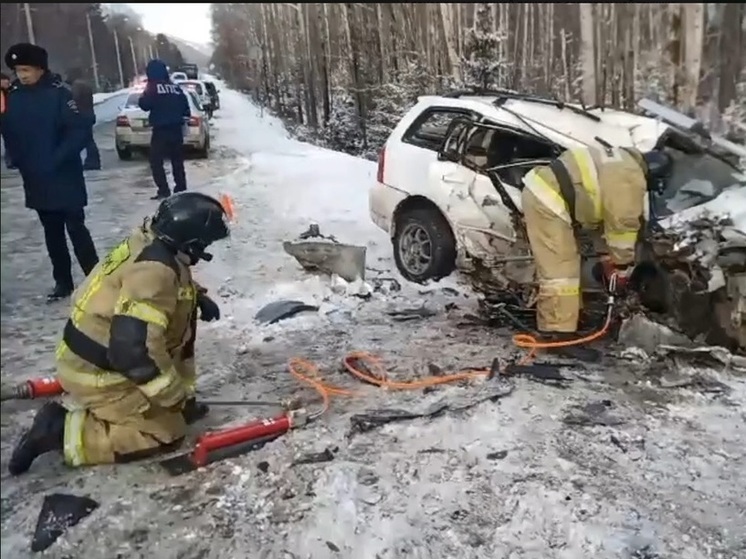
[
  {"x": 107, "y": 105},
  {"x": 291, "y": 184},
  {"x": 101, "y": 97}
]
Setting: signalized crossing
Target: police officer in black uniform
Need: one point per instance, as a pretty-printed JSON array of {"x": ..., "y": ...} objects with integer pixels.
[
  {"x": 44, "y": 133},
  {"x": 169, "y": 108}
]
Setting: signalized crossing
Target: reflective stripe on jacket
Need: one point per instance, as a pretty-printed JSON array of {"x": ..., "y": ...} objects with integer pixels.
[
  {"x": 609, "y": 190},
  {"x": 141, "y": 283}
]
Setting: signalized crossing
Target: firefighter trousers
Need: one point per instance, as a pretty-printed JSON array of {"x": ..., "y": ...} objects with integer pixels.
[
  {"x": 115, "y": 423},
  {"x": 557, "y": 259},
  {"x": 110, "y": 419}
]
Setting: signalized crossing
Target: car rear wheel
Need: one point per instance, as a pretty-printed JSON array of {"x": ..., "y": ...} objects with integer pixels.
[
  {"x": 124, "y": 153},
  {"x": 424, "y": 246},
  {"x": 204, "y": 153}
]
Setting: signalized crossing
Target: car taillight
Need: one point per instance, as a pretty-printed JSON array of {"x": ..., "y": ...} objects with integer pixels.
[
  {"x": 123, "y": 121},
  {"x": 194, "y": 121},
  {"x": 381, "y": 163}
]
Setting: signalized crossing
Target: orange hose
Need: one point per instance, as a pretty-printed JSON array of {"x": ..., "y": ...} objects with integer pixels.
[
  {"x": 373, "y": 372},
  {"x": 527, "y": 341}
]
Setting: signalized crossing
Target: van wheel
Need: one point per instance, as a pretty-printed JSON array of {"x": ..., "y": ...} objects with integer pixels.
[
  {"x": 424, "y": 246},
  {"x": 125, "y": 154}
]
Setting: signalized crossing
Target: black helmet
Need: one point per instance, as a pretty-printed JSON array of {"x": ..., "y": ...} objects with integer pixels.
[
  {"x": 190, "y": 222},
  {"x": 659, "y": 165}
]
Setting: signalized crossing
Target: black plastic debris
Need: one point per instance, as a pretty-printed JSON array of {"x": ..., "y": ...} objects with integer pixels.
[
  {"x": 416, "y": 313},
  {"x": 542, "y": 372},
  {"x": 364, "y": 422},
  {"x": 593, "y": 413},
  {"x": 327, "y": 455},
  {"x": 497, "y": 455},
  {"x": 58, "y": 513},
  {"x": 280, "y": 310}
]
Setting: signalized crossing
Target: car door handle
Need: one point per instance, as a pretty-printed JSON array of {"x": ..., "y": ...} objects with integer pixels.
[{"x": 449, "y": 179}]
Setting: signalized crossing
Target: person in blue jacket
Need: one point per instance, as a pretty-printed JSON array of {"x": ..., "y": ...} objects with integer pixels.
[
  {"x": 169, "y": 109},
  {"x": 44, "y": 134}
]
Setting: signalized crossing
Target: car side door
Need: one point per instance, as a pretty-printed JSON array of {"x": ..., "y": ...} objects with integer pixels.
[
  {"x": 409, "y": 156},
  {"x": 473, "y": 203}
]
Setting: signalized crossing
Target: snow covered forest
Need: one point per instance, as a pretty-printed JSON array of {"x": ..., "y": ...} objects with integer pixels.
[
  {"x": 107, "y": 47},
  {"x": 341, "y": 74}
]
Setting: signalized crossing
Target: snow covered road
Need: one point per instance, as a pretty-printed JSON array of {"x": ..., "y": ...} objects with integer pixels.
[{"x": 662, "y": 475}]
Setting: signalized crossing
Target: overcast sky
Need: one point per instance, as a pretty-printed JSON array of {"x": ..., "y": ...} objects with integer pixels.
[{"x": 185, "y": 21}]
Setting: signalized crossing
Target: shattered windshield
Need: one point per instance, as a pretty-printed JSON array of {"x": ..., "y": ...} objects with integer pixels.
[{"x": 696, "y": 179}]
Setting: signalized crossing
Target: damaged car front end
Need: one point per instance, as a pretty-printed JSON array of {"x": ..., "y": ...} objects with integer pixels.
[{"x": 691, "y": 273}]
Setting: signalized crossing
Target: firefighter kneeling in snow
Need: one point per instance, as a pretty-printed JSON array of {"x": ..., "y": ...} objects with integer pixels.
[
  {"x": 126, "y": 359},
  {"x": 584, "y": 189}
]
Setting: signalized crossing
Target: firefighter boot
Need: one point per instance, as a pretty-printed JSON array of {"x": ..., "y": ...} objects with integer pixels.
[
  {"x": 579, "y": 352},
  {"x": 46, "y": 434},
  {"x": 194, "y": 411}
]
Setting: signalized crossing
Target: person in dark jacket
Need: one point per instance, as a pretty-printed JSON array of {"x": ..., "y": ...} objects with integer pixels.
[
  {"x": 4, "y": 89},
  {"x": 44, "y": 133},
  {"x": 83, "y": 96},
  {"x": 169, "y": 108}
]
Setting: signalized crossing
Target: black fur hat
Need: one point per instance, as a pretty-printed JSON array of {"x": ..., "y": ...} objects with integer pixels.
[{"x": 26, "y": 54}]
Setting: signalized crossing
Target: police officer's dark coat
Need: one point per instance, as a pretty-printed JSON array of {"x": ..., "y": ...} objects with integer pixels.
[
  {"x": 165, "y": 102},
  {"x": 44, "y": 133}
]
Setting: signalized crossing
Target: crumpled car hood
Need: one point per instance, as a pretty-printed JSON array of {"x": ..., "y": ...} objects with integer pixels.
[
  {"x": 702, "y": 231},
  {"x": 730, "y": 204}
]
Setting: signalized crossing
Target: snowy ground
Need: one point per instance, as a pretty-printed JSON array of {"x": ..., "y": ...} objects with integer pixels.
[
  {"x": 505, "y": 480},
  {"x": 101, "y": 97}
]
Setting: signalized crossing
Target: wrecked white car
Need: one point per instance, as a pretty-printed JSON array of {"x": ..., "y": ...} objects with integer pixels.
[{"x": 448, "y": 193}]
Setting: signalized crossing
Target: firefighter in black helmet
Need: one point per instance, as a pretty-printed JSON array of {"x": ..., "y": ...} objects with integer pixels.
[{"x": 127, "y": 353}]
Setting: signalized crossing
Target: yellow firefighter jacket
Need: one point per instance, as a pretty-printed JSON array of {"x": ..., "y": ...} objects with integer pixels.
[
  {"x": 594, "y": 188},
  {"x": 132, "y": 321}
]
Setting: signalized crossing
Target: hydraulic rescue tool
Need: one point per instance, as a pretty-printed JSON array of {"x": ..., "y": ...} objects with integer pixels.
[
  {"x": 234, "y": 441},
  {"x": 209, "y": 447},
  {"x": 31, "y": 389}
]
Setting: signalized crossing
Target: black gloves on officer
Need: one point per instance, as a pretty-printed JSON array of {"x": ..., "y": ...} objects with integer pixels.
[{"x": 208, "y": 309}]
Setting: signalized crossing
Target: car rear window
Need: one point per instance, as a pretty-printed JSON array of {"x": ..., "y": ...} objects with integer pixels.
[
  {"x": 195, "y": 99},
  {"x": 429, "y": 129},
  {"x": 194, "y": 87},
  {"x": 132, "y": 100}
]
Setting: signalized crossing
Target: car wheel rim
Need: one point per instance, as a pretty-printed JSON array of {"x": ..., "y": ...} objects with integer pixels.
[{"x": 415, "y": 249}]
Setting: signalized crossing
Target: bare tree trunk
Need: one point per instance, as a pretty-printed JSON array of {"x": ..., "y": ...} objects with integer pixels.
[
  {"x": 587, "y": 53},
  {"x": 675, "y": 48},
  {"x": 565, "y": 64},
  {"x": 446, "y": 14},
  {"x": 693, "y": 41}
]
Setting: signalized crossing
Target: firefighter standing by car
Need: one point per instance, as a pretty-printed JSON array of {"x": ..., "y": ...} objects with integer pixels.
[
  {"x": 127, "y": 353},
  {"x": 169, "y": 109},
  {"x": 585, "y": 189}
]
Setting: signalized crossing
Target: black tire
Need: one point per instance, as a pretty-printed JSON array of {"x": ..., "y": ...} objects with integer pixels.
[
  {"x": 204, "y": 153},
  {"x": 442, "y": 261},
  {"x": 124, "y": 154}
]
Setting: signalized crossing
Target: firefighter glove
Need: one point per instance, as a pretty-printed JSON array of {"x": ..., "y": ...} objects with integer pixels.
[
  {"x": 605, "y": 270},
  {"x": 167, "y": 390},
  {"x": 208, "y": 309}
]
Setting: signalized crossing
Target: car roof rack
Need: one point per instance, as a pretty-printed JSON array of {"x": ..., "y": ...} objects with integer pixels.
[
  {"x": 504, "y": 95},
  {"x": 478, "y": 92}
]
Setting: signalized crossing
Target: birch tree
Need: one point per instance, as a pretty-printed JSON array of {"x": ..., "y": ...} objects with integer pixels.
[{"x": 342, "y": 74}]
